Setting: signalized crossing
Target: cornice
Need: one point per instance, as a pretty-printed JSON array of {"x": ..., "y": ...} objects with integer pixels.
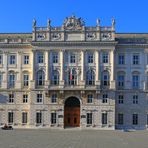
[
  {"x": 27, "y": 45},
  {"x": 132, "y": 46}
]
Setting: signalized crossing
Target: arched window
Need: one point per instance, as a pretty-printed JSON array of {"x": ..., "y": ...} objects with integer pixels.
[
  {"x": 11, "y": 79},
  {"x": 90, "y": 77},
  {"x": 105, "y": 78},
  {"x": 40, "y": 78},
  {"x": 135, "y": 80},
  {"x": 72, "y": 77},
  {"x": 55, "y": 80},
  {"x": 25, "y": 79}
]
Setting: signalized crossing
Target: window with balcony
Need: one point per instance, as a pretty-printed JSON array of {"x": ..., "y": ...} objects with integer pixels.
[
  {"x": 40, "y": 78},
  {"x": 136, "y": 59},
  {"x": 12, "y": 59},
  {"x": 90, "y": 77},
  {"x": 26, "y": 80},
  {"x": 105, "y": 78},
  {"x": 72, "y": 77},
  {"x": 11, "y": 80},
  {"x": 40, "y": 57},
  {"x": 105, "y": 58},
  {"x": 120, "y": 81},
  {"x": 135, "y": 81},
  {"x": 56, "y": 76}
]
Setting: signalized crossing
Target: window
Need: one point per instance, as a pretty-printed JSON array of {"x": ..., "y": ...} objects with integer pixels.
[
  {"x": 135, "y": 119},
  {"x": 39, "y": 98},
  {"x": 90, "y": 77},
  {"x": 72, "y": 77},
  {"x": 11, "y": 80},
  {"x": 135, "y": 81},
  {"x": 40, "y": 57},
  {"x": 55, "y": 57},
  {"x": 120, "y": 99},
  {"x": 12, "y": 59},
  {"x": 136, "y": 59},
  {"x": 24, "y": 117},
  {"x": 120, "y": 119},
  {"x": 53, "y": 118},
  {"x": 1, "y": 79},
  {"x": 90, "y": 58},
  {"x": 106, "y": 78},
  {"x": 89, "y": 118},
  {"x": 10, "y": 117},
  {"x": 40, "y": 78},
  {"x": 135, "y": 99},
  {"x": 105, "y": 97},
  {"x": 38, "y": 117},
  {"x": 25, "y": 98},
  {"x": 1, "y": 59},
  {"x": 54, "y": 98},
  {"x": 26, "y": 80},
  {"x": 72, "y": 58},
  {"x": 105, "y": 58},
  {"x": 89, "y": 98},
  {"x": 104, "y": 118},
  {"x": 26, "y": 59},
  {"x": 11, "y": 98},
  {"x": 121, "y": 59},
  {"x": 120, "y": 81},
  {"x": 55, "y": 77}
]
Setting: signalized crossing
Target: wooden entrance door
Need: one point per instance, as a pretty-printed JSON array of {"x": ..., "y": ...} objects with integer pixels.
[{"x": 72, "y": 117}]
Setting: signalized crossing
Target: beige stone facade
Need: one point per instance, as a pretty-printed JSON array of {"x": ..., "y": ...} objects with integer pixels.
[{"x": 106, "y": 71}]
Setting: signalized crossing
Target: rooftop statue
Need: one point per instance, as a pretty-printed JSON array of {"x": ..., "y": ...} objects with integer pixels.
[{"x": 34, "y": 23}]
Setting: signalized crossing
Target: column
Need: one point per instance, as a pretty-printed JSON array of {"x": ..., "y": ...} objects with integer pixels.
[
  {"x": 97, "y": 67},
  {"x": 32, "y": 62},
  {"x": 82, "y": 67},
  {"x": 112, "y": 70},
  {"x": 47, "y": 69},
  {"x": 62, "y": 67}
]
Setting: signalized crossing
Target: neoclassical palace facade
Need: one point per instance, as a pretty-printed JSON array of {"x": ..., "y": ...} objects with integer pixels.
[{"x": 74, "y": 76}]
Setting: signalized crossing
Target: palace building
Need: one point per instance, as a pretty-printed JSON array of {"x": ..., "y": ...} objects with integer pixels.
[{"x": 74, "y": 76}]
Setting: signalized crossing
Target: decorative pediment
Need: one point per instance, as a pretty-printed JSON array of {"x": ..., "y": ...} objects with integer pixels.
[{"x": 73, "y": 23}]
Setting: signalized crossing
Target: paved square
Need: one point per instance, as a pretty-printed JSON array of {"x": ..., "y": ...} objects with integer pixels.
[{"x": 47, "y": 138}]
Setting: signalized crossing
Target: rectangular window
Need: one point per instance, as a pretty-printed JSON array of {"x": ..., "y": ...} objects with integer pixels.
[
  {"x": 24, "y": 118},
  {"x": 40, "y": 57},
  {"x": 38, "y": 117},
  {"x": 135, "y": 81},
  {"x": 135, "y": 119},
  {"x": 136, "y": 59},
  {"x": 11, "y": 98},
  {"x": 53, "y": 118},
  {"x": 121, "y": 59},
  {"x": 54, "y": 98},
  {"x": 105, "y": 98},
  {"x": 12, "y": 59},
  {"x": 120, "y": 119},
  {"x": 11, "y": 81},
  {"x": 72, "y": 58},
  {"x": 135, "y": 99},
  {"x": 25, "y": 98},
  {"x": 55, "y": 57},
  {"x": 121, "y": 81},
  {"x": 26, "y": 80},
  {"x": 105, "y": 58},
  {"x": 104, "y": 118},
  {"x": 89, "y": 118},
  {"x": 90, "y": 98},
  {"x": 26, "y": 59},
  {"x": 120, "y": 99},
  {"x": 39, "y": 98},
  {"x": 10, "y": 117},
  {"x": 1, "y": 59},
  {"x": 90, "y": 58}
]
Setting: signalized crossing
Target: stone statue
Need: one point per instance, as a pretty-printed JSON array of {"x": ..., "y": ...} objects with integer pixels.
[
  {"x": 98, "y": 22},
  {"x": 34, "y": 23},
  {"x": 48, "y": 22},
  {"x": 113, "y": 22}
]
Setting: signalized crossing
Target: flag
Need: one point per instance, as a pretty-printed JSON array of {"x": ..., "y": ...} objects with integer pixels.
[{"x": 71, "y": 74}]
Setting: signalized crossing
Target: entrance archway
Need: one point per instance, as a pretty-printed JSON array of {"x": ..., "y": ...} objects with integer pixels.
[{"x": 72, "y": 112}]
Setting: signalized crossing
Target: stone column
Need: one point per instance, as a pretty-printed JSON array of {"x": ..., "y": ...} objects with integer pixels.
[
  {"x": 47, "y": 69},
  {"x": 62, "y": 67},
  {"x": 82, "y": 67},
  {"x": 32, "y": 62},
  {"x": 97, "y": 67},
  {"x": 112, "y": 69}
]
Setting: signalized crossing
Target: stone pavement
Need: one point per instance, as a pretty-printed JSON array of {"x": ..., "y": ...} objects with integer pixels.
[{"x": 69, "y": 138}]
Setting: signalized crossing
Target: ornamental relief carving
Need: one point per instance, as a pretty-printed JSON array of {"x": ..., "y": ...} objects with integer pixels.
[
  {"x": 106, "y": 36},
  {"x": 41, "y": 36},
  {"x": 55, "y": 36},
  {"x": 91, "y": 36}
]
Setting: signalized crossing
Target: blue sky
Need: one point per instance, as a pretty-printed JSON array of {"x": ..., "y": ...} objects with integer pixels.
[{"x": 17, "y": 15}]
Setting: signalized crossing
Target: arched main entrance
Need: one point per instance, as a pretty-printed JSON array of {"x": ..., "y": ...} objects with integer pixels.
[{"x": 72, "y": 112}]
